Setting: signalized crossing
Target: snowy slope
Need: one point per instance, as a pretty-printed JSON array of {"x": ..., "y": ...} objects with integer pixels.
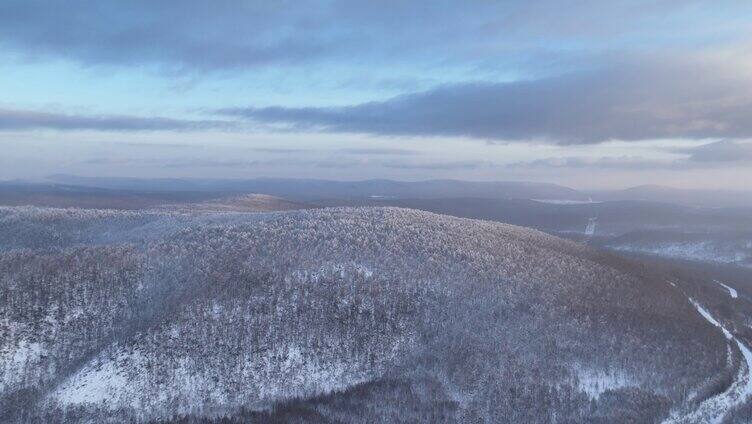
[{"x": 393, "y": 312}]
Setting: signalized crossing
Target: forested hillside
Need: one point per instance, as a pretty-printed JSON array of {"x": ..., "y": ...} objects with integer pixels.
[{"x": 337, "y": 315}]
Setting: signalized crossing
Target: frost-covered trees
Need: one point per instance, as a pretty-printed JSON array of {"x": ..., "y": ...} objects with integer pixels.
[{"x": 347, "y": 314}]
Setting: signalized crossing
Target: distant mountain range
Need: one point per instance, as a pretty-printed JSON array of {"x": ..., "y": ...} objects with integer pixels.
[{"x": 309, "y": 190}]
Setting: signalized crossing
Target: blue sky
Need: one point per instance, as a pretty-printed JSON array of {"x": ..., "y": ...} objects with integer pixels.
[{"x": 590, "y": 94}]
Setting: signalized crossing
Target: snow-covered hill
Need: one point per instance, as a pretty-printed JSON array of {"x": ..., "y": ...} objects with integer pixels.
[{"x": 343, "y": 314}]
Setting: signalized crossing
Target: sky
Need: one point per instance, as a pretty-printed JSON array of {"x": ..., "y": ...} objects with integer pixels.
[{"x": 589, "y": 94}]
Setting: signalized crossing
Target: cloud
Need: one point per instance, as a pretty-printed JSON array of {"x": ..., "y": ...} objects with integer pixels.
[
  {"x": 608, "y": 162},
  {"x": 323, "y": 163},
  {"x": 31, "y": 120},
  {"x": 707, "y": 156},
  {"x": 636, "y": 98},
  {"x": 357, "y": 151},
  {"x": 279, "y": 150},
  {"x": 187, "y": 163},
  {"x": 721, "y": 151},
  {"x": 143, "y": 145},
  {"x": 440, "y": 166},
  {"x": 223, "y": 34},
  {"x": 184, "y": 34},
  {"x": 376, "y": 151}
]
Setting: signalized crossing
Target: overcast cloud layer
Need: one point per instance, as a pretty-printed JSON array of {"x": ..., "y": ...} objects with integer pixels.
[
  {"x": 429, "y": 84},
  {"x": 29, "y": 120},
  {"x": 231, "y": 34}
]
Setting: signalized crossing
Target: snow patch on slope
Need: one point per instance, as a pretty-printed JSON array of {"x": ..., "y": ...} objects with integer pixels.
[
  {"x": 121, "y": 379},
  {"x": 590, "y": 229},
  {"x": 309, "y": 377},
  {"x": 732, "y": 292},
  {"x": 21, "y": 356},
  {"x": 102, "y": 381},
  {"x": 19, "y": 361},
  {"x": 596, "y": 382}
]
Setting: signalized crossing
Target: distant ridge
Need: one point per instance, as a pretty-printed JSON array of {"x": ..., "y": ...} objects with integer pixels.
[
  {"x": 311, "y": 189},
  {"x": 688, "y": 197}
]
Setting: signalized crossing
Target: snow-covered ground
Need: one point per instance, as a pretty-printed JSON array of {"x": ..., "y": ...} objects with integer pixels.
[
  {"x": 715, "y": 408},
  {"x": 595, "y": 382},
  {"x": 19, "y": 361},
  {"x": 122, "y": 378},
  {"x": 590, "y": 229},
  {"x": 732, "y": 292},
  {"x": 697, "y": 251},
  {"x": 101, "y": 381}
]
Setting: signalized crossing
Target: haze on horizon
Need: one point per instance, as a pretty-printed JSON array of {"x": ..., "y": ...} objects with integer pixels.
[{"x": 588, "y": 94}]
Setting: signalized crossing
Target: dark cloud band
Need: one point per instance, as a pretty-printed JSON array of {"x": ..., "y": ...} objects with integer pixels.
[
  {"x": 211, "y": 35},
  {"x": 32, "y": 120},
  {"x": 635, "y": 99}
]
